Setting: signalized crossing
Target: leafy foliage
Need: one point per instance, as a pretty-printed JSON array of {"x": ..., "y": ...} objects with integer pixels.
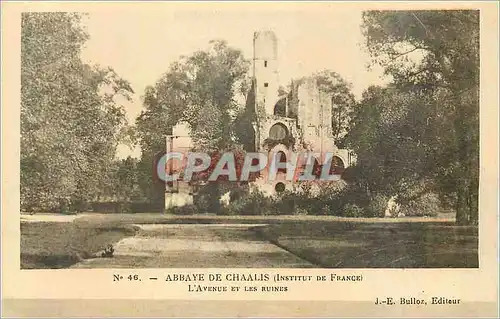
[
  {"x": 254, "y": 203},
  {"x": 123, "y": 177},
  {"x": 422, "y": 132},
  {"x": 202, "y": 90},
  {"x": 425, "y": 205},
  {"x": 71, "y": 117}
]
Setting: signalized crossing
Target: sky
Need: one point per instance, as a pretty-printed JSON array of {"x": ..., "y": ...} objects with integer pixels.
[{"x": 140, "y": 42}]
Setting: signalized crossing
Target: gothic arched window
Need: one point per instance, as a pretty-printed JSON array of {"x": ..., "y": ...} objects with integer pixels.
[
  {"x": 337, "y": 166},
  {"x": 278, "y": 132}
]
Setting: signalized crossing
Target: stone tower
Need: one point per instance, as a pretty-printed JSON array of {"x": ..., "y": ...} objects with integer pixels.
[
  {"x": 275, "y": 132},
  {"x": 265, "y": 70},
  {"x": 288, "y": 122},
  {"x": 272, "y": 125}
]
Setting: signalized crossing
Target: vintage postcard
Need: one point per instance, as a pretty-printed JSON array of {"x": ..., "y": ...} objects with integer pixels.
[{"x": 250, "y": 159}]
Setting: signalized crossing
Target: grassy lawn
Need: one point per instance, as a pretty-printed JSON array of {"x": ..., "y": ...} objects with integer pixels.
[
  {"x": 325, "y": 241},
  {"x": 378, "y": 245},
  {"x": 59, "y": 245},
  {"x": 160, "y": 218}
]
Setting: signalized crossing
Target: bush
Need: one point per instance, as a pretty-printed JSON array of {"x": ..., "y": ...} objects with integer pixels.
[
  {"x": 426, "y": 205},
  {"x": 183, "y": 210},
  {"x": 237, "y": 193},
  {"x": 353, "y": 210},
  {"x": 146, "y": 207},
  {"x": 254, "y": 203},
  {"x": 123, "y": 207},
  {"x": 301, "y": 203},
  {"x": 300, "y": 211},
  {"x": 346, "y": 201},
  {"x": 207, "y": 199},
  {"x": 377, "y": 206},
  {"x": 330, "y": 201},
  {"x": 326, "y": 210},
  {"x": 78, "y": 205},
  {"x": 286, "y": 203},
  {"x": 350, "y": 201},
  {"x": 354, "y": 195}
]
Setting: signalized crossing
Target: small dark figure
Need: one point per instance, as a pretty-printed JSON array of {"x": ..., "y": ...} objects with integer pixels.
[{"x": 108, "y": 251}]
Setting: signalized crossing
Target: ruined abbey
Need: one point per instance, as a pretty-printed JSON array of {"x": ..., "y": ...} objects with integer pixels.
[{"x": 299, "y": 120}]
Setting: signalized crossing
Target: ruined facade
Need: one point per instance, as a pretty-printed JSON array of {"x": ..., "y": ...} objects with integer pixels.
[
  {"x": 285, "y": 122},
  {"x": 294, "y": 121}
]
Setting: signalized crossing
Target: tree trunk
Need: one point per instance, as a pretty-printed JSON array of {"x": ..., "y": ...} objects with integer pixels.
[
  {"x": 462, "y": 207},
  {"x": 467, "y": 202},
  {"x": 468, "y": 158},
  {"x": 474, "y": 201}
]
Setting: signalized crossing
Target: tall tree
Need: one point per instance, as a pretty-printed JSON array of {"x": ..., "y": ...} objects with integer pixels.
[
  {"x": 394, "y": 141},
  {"x": 436, "y": 54},
  {"x": 71, "y": 117},
  {"x": 203, "y": 89}
]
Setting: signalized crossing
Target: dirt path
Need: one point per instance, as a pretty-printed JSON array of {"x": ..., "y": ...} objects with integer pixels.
[
  {"x": 196, "y": 246},
  {"x": 51, "y": 218}
]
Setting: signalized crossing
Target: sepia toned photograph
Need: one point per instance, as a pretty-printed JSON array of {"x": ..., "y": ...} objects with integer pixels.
[
  {"x": 348, "y": 139},
  {"x": 249, "y": 159}
]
